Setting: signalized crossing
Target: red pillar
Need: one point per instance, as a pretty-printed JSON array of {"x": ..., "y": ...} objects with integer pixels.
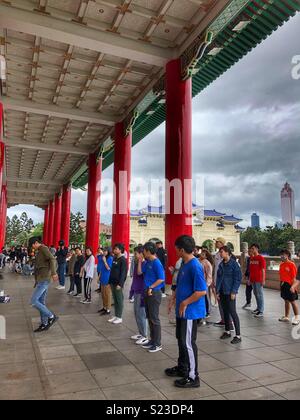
[
  {"x": 66, "y": 214},
  {"x": 51, "y": 222},
  {"x": 3, "y": 215},
  {"x": 2, "y": 149},
  {"x": 122, "y": 178},
  {"x": 93, "y": 203},
  {"x": 178, "y": 156},
  {"x": 46, "y": 226},
  {"x": 57, "y": 219}
]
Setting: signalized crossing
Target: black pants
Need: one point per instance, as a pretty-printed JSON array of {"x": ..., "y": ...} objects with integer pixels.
[
  {"x": 78, "y": 283},
  {"x": 72, "y": 283},
  {"x": 152, "y": 305},
  {"x": 186, "y": 334},
  {"x": 249, "y": 290},
  {"x": 88, "y": 288},
  {"x": 229, "y": 309}
]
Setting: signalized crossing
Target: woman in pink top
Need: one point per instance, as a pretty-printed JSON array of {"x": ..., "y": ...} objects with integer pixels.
[{"x": 207, "y": 262}]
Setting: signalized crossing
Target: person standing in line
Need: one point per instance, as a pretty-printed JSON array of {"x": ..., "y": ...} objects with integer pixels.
[
  {"x": 79, "y": 263},
  {"x": 71, "y": 262},
  {"x": 190, "y": 306},
  {"x": 154, "y": 282},
  {"x": 138, "y": 291},
  {"x": 99, "y": 260},
  {"x": 229, "y": 279},
  {"x": 87, "y": 273},
  {"x": 289, "y": 287},
  {"x": 249, "y": 287},
  {"x": 107, "y": 261},
  {"x": 117, "y": 279},
  {"x": 61, "y": 258},
  {"x": 44, "y": 270},
  {"x": 206, "y": 261},
  {"x": 174, "y": 272},
  {"x": 258, "y": 279},
  {"x": 220, "y": 242},
  {"x": 52, "y": 249},
  {"x": 163, "y": 258}
]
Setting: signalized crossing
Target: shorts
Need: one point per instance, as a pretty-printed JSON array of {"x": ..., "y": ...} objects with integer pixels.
[{"x": 286, "y": 293}]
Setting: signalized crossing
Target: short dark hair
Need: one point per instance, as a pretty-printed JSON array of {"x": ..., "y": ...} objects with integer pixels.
[
  {"x": 226, "y": 249},
  {"x": 150, "y": 247},
  {"x": 89, "y": 248},
  {"x": 198, "y": 247},
  {"x": 108, "y": 250},
  {"x": 187, "y": 243},
  {"x": 121, "y": 247},
  {"x": 285, "y": 252},
  {"x": 158, "y": 243},
  {"x": 33, "y": 240},
  {"x": 78, "y": 247},
  {"x": 255, "y": 246},
  {"x": 139, "y": 249}
]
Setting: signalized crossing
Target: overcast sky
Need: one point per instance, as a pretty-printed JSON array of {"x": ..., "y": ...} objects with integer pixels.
[{"x": 246, "y": 136}]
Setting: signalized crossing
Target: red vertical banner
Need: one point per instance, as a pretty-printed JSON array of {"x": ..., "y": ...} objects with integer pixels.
[
  {"x": 3, "y": 215},
  {"x": 178, "y": 158},
  {"x": 122, "y": 179}
]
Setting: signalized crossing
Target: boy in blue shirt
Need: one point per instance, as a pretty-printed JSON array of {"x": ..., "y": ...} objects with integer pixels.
[
  {"x": 154, "y": 281},
  {"x": 190, "y": 306}
]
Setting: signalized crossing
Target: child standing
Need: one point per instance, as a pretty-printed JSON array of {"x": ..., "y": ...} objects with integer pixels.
[
  {"x": 88, "y": 273},
  {"x": 106, "y": 264}
]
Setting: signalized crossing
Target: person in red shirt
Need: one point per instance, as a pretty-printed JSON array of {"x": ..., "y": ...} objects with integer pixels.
[
  {"x": 257, "y": 274},
  {"x": 289, "y": 287}
]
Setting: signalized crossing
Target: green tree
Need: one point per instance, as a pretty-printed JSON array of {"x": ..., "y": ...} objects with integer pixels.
[{"x": 77, "y": 234}]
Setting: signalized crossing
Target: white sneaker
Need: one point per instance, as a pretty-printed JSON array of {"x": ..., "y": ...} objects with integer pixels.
[
  {"x": 296, "y": 321},
  {"x": 136, "y": 337},
  {"x": 118, "y": 321},
  {"x": 142, "y": 341},
  {"x": 284, "y": 319},
  {"x": 61, "y": 288},
  {"x": 112, "y": 319},
  {"x": 163, "y": 295},
  {"x": 131, "y": 300}
]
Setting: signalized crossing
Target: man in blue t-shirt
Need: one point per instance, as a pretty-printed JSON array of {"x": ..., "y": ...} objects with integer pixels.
[
  {"x": 190, "y": 306},
  {"x": 154, "y": 281}
]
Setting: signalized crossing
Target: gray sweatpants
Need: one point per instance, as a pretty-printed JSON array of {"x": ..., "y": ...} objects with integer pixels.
[{"x": 152, "y": 304}]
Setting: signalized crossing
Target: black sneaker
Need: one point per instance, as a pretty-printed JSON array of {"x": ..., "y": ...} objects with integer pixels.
[
  {"x": 174, "y": 372},
  {"x": 220, "y": 324},
  {"x": 188, "y": 383},
  {"x": 53, "y": 320},
  {"x": 102, "y": 311},
  {"x": 225, "y": 336},
  {"x": 105, "y": 312},
  {"x": 236, "y": 340},
  {"x": 42, "y": 328}
]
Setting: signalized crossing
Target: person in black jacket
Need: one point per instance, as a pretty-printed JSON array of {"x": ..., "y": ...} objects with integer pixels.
[
  {"x": 61, "y": 256},
  {"x": 118, "y": 276},
  {"x": 77, "y": 269},
  {"x": 162, "y": 256}
]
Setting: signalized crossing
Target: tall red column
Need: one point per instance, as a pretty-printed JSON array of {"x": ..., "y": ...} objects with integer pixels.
[
  {"x": 3, "y": 215},
  {"x": 57, "y": 219},
  {"x": 46, "y": 226},
  {"x": 51, "y": 222},
  {"x": 93, "y": 203},
  {"x": 2, "y": 149},
  {"x": 178, "y": 157},
  {"x": 122, "y": 178},
  {"x": 66, "y": 214}
]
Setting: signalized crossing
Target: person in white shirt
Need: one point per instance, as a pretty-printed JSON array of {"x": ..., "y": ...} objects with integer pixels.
[{"x": 88, "y": 271}]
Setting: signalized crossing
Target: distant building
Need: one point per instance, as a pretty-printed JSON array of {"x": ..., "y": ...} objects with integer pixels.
[
  {"x": 149, "y": 224},
  {"x": 255, "y": 222},
  {"x": 298, "y": 224},
  {"x": 288, "y": 205}
]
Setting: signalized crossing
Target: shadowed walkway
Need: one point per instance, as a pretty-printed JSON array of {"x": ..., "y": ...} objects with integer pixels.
[{"x": 84, "y": 357}]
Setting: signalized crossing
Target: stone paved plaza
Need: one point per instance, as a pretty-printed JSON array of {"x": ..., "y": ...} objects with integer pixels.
[{"x": 84, "y": 357}]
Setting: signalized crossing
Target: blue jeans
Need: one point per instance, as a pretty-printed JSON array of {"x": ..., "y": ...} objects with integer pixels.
[
  {"x": 140, "y": 315},
  {"x": 38, "y": 301},
  {"x": 258, "y": 290},
  {"x": 61, "y": 271}
]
